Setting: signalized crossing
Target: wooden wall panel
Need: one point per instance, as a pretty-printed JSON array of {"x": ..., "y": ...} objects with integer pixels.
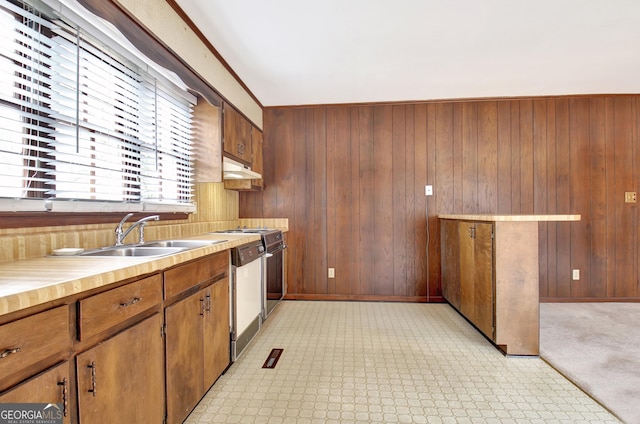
[
  {"x": 563, "y": 197},
  {"x": 580, "y": 193},
  {"x": 366, "y": 201},
  {"x": 549, "y": 281},
  {"x": 626, "y": 223},
  {"x": 383, "y": 200},
  {"x": 598, "y": 197},
  {"x": 351, "y": 181}
]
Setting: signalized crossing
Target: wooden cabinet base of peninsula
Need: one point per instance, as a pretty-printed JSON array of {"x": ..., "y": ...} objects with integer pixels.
[{"x": 490, "y": 275}]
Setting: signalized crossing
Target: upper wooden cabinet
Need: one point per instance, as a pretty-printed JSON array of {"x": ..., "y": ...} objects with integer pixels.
[
  {"x": 256, "y": 165},
  {"x": 236, "y": 135}
]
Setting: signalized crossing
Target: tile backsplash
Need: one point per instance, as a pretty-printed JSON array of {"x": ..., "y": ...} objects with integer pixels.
[{"x": 217, "y": 209}]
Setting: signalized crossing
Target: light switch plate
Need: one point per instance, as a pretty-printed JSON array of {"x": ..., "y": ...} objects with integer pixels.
[
  {"x": 630, "y": 197},
  {"x": 428, "y": 190}
]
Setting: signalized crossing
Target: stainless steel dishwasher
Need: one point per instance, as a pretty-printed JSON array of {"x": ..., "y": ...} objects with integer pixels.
[{"x": 245, "y": 296}]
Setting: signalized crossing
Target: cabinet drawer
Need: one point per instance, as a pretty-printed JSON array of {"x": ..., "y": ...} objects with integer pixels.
[
  {"x": 30, "y": 340},
  {"x": 105, "y": 310},
  {"x": 183, "y": 277}
]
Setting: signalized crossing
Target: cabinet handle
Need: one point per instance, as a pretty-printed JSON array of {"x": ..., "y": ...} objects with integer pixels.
[
  {"x": 131, "y": 302},
  {"x": 472, "y": 232},
  {"x": 8, "y": 352},
  {"x": 93, "y": 377},
  {"x": 65, "y": 395},
  {"x": 208, "y": 302},
  {"x": 241, "y": 149},
  {"x": 202, "y": 307}
]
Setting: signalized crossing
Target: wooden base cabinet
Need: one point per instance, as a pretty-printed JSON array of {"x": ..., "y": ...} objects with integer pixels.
[
  {"x": 51, "y": 386},
  {"x": 197, "y": 332},
  {"x": 490, "y": 275},
  {"x": 476, "y": 283},
  {"x": 140, "y": 351},
  {"x": 121, "y": 380},
  {"x": 184, "y": 356},
  {"x": 216, "y": 343}
]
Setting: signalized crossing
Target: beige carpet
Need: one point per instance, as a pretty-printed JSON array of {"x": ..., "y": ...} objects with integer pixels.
[{"x": 596, "y": 346}]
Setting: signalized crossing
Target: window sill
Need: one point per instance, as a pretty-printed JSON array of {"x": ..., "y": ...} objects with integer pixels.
[{"x": 53, "y": 219}]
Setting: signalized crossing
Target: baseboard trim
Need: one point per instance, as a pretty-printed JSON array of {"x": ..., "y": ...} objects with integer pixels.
[
  {"x": 364, "y": 298},
  {"x": 588, "y": 299}
]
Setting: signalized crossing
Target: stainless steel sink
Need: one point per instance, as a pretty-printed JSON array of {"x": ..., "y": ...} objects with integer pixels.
[
  {"x": 188, "y": 244},
  {"x": 149, "y": 249},
  {"x": 132, "y": 251}
]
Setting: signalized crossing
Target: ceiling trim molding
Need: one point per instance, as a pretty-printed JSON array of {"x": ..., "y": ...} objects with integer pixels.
[
  {"x": 453, "y": 100},
  {"x": 212, "y": 49}
]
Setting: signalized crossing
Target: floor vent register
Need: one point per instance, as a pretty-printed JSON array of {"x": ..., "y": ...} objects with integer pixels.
[{"x": 272, "y": 359}]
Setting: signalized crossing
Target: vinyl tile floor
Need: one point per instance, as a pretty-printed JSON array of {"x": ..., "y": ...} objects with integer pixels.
[{"x": 364, "y": 362}]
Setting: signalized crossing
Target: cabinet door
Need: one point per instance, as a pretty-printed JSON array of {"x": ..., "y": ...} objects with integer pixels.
[
  {"x": 121, "y": 380},
  {"x": 256, "y": 165},
  {"x": 256, "y": 156},
  {"x": 450, "y": 260},
  {"x": 483, "y": 275},
  {"x": 51, "y": 386},
  {"x": 476, "y": 275},
  {"x": 216, "y": 332},
  {"x": 184, "y": 356},
  {"x": 236, "y": 135},
  {"x": 467, "y": 268}
]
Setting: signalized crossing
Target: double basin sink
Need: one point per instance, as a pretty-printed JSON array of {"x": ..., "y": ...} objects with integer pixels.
[{"x": 149, "y": 249}]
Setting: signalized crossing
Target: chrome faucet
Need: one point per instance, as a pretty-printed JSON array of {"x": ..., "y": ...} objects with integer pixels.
[{"x": 120, "y": 234}]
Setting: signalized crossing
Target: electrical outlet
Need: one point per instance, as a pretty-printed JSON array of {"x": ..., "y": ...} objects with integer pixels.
[
  {"x": 428, "y": 190},
  {"x": 332, "y": 273},
  {"x": 576, "y": 274}
]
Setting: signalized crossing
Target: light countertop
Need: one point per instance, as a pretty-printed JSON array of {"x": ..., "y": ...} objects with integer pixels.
[
  {"x": 31, "y": 282},
  {"x": 512, "y": 217}
]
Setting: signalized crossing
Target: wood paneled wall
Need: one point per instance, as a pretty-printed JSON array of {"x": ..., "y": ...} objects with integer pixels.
[{"x": 351, "y": 180}]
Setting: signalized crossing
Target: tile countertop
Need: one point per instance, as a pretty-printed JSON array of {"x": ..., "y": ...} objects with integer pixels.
[
  {"x": 31, "y": 282},
  {"x": 514, "y": 217}
]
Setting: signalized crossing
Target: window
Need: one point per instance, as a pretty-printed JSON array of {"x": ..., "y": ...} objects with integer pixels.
[{"x": 86, "y": 125}]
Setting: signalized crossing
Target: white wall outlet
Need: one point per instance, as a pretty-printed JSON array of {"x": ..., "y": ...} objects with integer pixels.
[
  {"x": 428, "y": 190},
  {"x": 332, "y": 273},
  {"x": 576, "y": 274}
]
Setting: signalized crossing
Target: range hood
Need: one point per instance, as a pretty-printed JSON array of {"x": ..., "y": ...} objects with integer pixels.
[{"x": 232, "y": 170}]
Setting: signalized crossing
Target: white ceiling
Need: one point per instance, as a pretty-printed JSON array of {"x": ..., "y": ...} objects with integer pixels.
[{"x": 295, "y": 52}]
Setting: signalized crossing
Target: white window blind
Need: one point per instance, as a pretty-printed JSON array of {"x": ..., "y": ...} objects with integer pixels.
[{"x": 81, "y": 122}]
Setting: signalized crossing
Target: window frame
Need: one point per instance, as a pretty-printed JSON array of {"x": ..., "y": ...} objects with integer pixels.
[{"x": 153, "y": 48}]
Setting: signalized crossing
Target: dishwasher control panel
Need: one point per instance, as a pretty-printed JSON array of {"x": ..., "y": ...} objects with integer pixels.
[{"x": 246, "y": 253}]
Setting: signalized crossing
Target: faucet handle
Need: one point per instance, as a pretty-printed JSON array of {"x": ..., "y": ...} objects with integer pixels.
[
  {"x": 122, "y": 221},
  {"x": 118, "y": 231}
]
